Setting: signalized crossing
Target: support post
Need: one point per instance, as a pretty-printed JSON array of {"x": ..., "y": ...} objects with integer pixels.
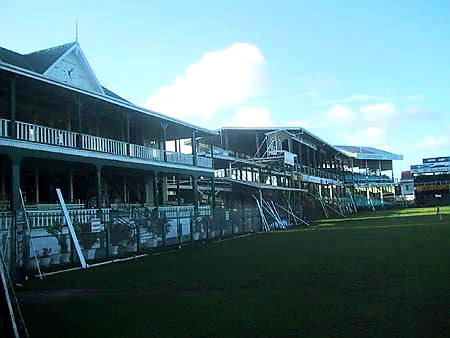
[
  {"x": 177, "y": 178},
  {"x": 165, "y": 192},
  {"x": 79, "y": 104},
  {"x": 195, "y": 193},
  {"x": 155, "y": 188},
  {"x": 12, "y": 107},
  {"x": 99, "y": 186},
  {"x": 36, "y": 185},
  {"x": 194, "y": 147},
  {"x": 71, "y": 187},
  {"x": 3, "y": 183}
]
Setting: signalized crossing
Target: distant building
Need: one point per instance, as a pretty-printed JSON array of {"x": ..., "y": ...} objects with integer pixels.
[
  {"x": 432, "y": 181},
  {"x": 406, "y": 187}
]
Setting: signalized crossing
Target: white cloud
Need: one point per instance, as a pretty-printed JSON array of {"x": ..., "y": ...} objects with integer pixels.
[
  {"x": 308, "y": 93},
  {"x": 248, "y": 116},
  {"x": 218, "y": 79},
  {"x": 372, "y": 136},
  {"x": 353, "y": 98},
  {"x": 415, "y": 97},
  {"x": 378, "y": 113},
  {"x": 433, "y": 143},
  {"x": 339, "y": 112}
]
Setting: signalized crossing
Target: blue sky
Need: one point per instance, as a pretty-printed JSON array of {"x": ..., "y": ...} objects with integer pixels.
[{"x": 352, "y": 72}]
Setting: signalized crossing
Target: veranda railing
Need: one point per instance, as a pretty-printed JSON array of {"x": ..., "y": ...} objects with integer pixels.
[{"x": 47, "y": 135}]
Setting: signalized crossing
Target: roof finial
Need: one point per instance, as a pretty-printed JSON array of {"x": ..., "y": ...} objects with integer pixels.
[{"x": 76, "y": 30}]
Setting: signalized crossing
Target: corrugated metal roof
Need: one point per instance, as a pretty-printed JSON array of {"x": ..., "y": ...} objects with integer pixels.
[{"x": 369, "y": 153}]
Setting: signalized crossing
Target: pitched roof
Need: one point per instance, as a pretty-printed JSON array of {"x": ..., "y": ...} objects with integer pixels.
[
  {"x": 41, "y": 60},
  {"x": 113, "y": 95},
  {"x": 14, "y": 58}
]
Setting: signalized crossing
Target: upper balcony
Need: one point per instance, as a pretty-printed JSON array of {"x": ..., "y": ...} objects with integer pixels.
[{"x": 69, "y": 139}]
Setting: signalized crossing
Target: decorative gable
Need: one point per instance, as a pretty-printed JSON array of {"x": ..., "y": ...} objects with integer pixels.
[{"x": 73, "y": 69}]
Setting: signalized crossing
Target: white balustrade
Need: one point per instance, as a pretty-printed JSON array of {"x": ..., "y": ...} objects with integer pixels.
[
  {"x": 35, "y": 133},
  {"x": 4, "y": 127},
  {"x": 179, "y": 158},
  {"x": 146, "y": 153},
  {"x": 205, "y": 162},
  {"x": 103, "y": 145},
  {"x": 47, "y": 218},
  {"x": 6, "y": 219}
]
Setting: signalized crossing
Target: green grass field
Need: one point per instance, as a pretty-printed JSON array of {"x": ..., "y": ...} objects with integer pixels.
[{"x": 376, "y": 274}]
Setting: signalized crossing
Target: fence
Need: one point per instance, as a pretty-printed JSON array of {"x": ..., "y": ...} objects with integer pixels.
[{"x": 124, "y": 232}]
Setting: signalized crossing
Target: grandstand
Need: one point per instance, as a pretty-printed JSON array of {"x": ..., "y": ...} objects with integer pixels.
[
  {"x": 432, "y": 181},
  {"x": 370, "y": 174}
]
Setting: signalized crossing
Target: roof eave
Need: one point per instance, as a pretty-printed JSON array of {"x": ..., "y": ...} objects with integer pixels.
[{"x": 36, "y": 76}]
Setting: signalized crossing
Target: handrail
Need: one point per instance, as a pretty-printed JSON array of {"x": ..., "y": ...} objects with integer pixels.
[
  {"x": 103, "y": 145},
  {"x": 47, "y": 135},
  {"x": 32, "y": 132},
  {"x": 4, "y": 127},
  {"x": 146, "y": 153}
]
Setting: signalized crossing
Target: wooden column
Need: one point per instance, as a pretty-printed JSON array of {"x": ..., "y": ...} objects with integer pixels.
[
  {"x": 194, "y": 147},
  {"x": 125, "y": 192},
  {"x": 36, "y": 184},
  {"x": 155, "y": 188},
  {"x": 15, "y": 183},
  {"x": 71, "y": 187},
  {"x": 177, "y": 178},
  {"x": 3, "y": 191},
  {"x": 99, "y": 187},
  {"x": 12, "y": 107},
  {"x": 195, "y": 192},
  {"x": 78, "y": 103}
]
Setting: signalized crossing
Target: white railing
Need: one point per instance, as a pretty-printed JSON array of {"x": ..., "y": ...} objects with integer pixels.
[
  {"x": 179, "y": 158},
  {"x": 6, "y": 219},
  {"x": 4, "y": 127},
  {"x": 103, "y": 145},
  {"x": 205, "y": 162},
  {"x": 46, "y": 218},
  {"x": 35, "y": 133},
  {"x": 146, "y": 153},
  {"x": 183, "y": 211},
  {"x": 317, "y": 172}
]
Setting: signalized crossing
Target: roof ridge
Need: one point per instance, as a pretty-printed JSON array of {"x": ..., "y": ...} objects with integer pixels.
[{"x": 51, "y": 48}]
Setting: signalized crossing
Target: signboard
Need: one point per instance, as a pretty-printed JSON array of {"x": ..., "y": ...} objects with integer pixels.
[
  {"x": 432, "y": 167},
  {"x": 436, "y": 159},
  {"x": 96, "y": 225},
  {"x": 289, "y": 158}
]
